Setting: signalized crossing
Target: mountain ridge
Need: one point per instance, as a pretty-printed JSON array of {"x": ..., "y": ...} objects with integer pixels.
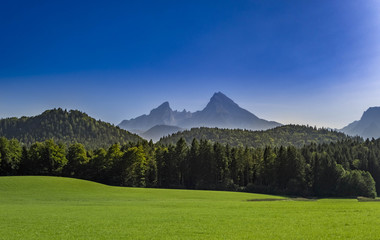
[
  {"x": 367, "y": 127},
  {"x": 161, "y": 115},
  {"x": 220, "y": 111}
]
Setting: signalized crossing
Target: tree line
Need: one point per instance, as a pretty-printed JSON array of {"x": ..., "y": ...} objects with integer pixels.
[
  {"x": 350, "y": 167},
  {"x": 287, "y": 135}
]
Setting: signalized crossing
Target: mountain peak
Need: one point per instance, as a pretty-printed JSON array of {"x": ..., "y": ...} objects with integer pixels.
[
  {"x": 223, "y": 112},
  {"x": 220, "y": 98},
  {"x": 372, "y": 113},
  {"x": 162, "y": 108},
  {"x": 164, "y": 105},
  {"x": 219, "y": 95}
]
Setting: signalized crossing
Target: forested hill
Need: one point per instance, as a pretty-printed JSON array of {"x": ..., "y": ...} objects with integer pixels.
[
  {"x": 64, "y": 126},
  {"x": 288, "y": 135}
]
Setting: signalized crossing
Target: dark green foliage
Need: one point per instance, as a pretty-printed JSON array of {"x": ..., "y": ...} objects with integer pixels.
[
  {"x": 356, "y": 183},
  {"x": 77, "y": 159},
  {"x": 131, "y": 168},
  {"x": 98, "y": 166},
  {"x": 288, "y": 135},
  {"x": 47, "y": 158},
  {"x": 10, "y": 156},
  {"x": 193, "y": 164},
  {"x": 180, "y": 160},
  {"x": 64, "y": 126},
  {"x": 345, "y": 168}
]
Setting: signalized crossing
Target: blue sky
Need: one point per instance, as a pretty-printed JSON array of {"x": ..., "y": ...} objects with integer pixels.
[{"x": 305, "y": 62}]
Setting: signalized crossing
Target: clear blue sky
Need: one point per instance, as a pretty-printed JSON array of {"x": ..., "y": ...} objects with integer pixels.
[{"x": 306, "y": 62}]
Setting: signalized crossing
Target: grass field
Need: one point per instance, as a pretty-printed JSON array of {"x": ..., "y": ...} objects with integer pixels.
[{"x": 63, "y": 208}]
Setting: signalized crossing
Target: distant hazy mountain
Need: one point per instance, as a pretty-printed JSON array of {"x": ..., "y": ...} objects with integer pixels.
[
  {"x": 66, "y": 127},
  {"x": 287, "y": 135},
  {"x": 367, "y": 127},
  {"x": 220, "y": 112},
  {"x": 162, "y": 115},
  {"x": 158, "y": 131}
]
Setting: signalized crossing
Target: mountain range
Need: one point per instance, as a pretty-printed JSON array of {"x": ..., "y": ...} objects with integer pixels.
[{"x": 220, "y": 112}]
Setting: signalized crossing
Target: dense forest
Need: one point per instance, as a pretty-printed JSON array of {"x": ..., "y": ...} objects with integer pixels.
[
  {"x": 73, "y": 126},
  {"x": 64, "y": 126},
  {"x": 287, "y": 135},
  {"x": 349, "y": 167}
]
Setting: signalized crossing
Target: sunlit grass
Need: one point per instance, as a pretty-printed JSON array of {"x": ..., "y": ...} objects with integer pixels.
[{"x": 63, "y": 208}]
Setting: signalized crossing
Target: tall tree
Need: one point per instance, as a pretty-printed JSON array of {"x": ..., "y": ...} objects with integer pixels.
[
  {"x": 180, "y": 162},
  {"x": 194, "y": 165},
  {"x": 77, "y": 159},
  {"x": 134, "y": 167},
  {"x": 10, "y": 156}
]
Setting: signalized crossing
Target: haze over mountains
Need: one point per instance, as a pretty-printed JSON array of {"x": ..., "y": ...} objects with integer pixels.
[
  {"x": 162, "y": 115},
  {"x": 158, "y": 131},
  {"x": 367, "y": 127},
  {"x": 220, "y": 112}
]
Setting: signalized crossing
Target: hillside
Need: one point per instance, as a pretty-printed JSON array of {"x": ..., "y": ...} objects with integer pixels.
[
  {"x": 64, "y": 126},
  {"x": 156, "y": 132},
  {"x": 367, "y": 127},
  {"x": 72, "y": 189},
  {"x": 287, "y": 135}
]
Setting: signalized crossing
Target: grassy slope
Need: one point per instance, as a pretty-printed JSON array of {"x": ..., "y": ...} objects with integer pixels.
[{"x": 62, "y": 208}]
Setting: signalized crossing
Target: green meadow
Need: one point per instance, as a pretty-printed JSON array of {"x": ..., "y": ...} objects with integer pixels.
[{"x": 63, "y": 208}]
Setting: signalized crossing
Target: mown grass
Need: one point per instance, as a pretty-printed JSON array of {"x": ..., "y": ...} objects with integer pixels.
[{"x": 64, "y": 208}]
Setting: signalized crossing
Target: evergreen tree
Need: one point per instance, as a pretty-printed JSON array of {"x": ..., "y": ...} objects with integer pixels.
[
  {"x": 180, "y": 162},
  {"x": 312, "y": 170},
  {"x": 194, "y": 165}
]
